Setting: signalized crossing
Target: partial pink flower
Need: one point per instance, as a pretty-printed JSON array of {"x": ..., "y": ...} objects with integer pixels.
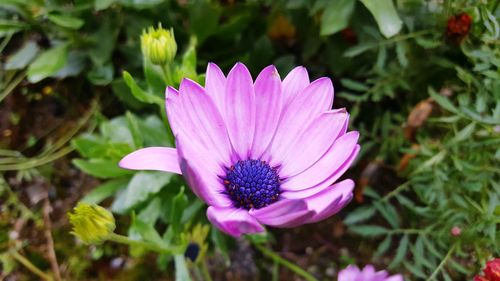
[
  {"x": 368, "y": 273},
  {"x": 258, "y": 153}
]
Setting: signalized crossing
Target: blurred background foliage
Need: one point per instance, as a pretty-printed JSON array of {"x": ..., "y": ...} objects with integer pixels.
[{"x": 420, "y": 78}]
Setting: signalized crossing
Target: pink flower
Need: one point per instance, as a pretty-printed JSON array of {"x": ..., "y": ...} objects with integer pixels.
[
  {"x": 264, "y": 152},
  {"x": 456, "y": 231},
  {"x": 353, "y": 273}
]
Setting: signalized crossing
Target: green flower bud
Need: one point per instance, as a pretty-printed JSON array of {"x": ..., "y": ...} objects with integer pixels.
[
  {"x": 91, "y": 223},
  {"x": 158, "y": 45}
]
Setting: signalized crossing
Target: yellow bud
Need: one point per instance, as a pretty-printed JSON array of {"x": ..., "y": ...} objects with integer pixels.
[
  {"x": 158, "y": 45},
  {"x": 91, "y": 223}
]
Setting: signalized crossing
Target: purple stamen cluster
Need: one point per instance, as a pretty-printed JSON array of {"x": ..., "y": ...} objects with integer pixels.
[{"x": 252, "y": 184}]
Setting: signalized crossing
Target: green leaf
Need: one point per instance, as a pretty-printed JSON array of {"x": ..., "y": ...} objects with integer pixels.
[
  {"x": 188, "y": 66},
  {"x": 442, "y": 101},
  {"x": 104, "y": 41},
  {"x": 385, "y": 15},
  {"x": 66, "y": 21},
  {"x": 400, "y": 252},
  {"x": 117, "y": 131},
  {"x": 139, "y": 93},
  {"x": 389, "y": 213},
  {"x": 134, "y": 129},
  {"x": 336, "y": 16},
  {"x": 89, "y": 146},
  {"x": 221, "y": 243},
  {"x": 383, "y": 247},
  {"x": 142, "y": 185},
  {"x": 23, "y": 57},
  {"x": 178, "y": 204},
  {"x": 464, "y": 134},
  {"x": 401, "y": 50},
  {"x": 204, "y": 19},
  {"x": 354, "y": 85},
  {"x": 47, "y": 63},
  {"x": 360, "y": 48},
  {"x": 152, "y": 212},
  {"x": 105, "y": 190},
  {"x": 101, "y": 75},
  {"x": 11, "y": 27},
  {"x": 154, "y": 78},
  {"x": 75, "y": 63},
  {"x": 140, "y": 230},
  {"x": 414, "y": 269},
  {"x": 360, "y": 214},
  {"x": 154, "y": 132},
  {"x": 368, "y": 230},
  {"x": 102, "y": 4},
  {"x": 100, "y": 168},
  {"x": 191, "y": 210}
]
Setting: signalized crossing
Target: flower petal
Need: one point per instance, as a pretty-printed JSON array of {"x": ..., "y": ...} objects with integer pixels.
[
  {"x": 152, "y": 158},
  {"x": 313, "y": 142},
  {"x": 268, "y": 99},
  {"x": 329, "y": 201},
  {"x": 233, "y": 221},
  {"x": 330, "y": 167},
  {"x": 284, "y": 213},
  {"x": 201, "y": 172},
  {"x": 294, "y": 83},
  {"x": 397, "y": 277},
  {"x": 349, "y": 273},
  {"x": 172, "y": 106},
  {"x": 303, "y": 109},
  {"x": 215, "y": 86},
  {"x": 240, "y": 109},
  {"x": 203, "y": 121}
]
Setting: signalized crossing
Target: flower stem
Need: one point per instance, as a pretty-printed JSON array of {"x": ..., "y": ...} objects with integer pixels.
[
  {"x": 442, "y": 263},
  {"x": 204, "y": 271},
  {"x": 284, "y": 262},
  {"x": 167, "y": 73},
  {"x": 150, "y": 246},
  {"x": 30, "y": 266}
]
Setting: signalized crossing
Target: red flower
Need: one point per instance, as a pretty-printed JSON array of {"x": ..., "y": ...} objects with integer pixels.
[
  {"x": 491, "y": 272},
  {"x": 458, "y": 27},
  {"x": 349, "y": 35}
]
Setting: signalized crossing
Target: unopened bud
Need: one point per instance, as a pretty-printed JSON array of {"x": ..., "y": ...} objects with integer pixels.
[
  {"x": 91, "y": 223},
  {"x": 456, "y": 231},
  {"x": 158, "y": 45}
]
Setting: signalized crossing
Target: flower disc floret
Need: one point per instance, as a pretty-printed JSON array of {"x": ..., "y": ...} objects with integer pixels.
[{"x": 252, "y": 184}]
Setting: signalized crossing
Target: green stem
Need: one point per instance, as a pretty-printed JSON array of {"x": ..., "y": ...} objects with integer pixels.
[
  {"x": 284, "y": 262},
  {"x": 395, "y": 192},
  {"x": 12, "y": 85},
  {"x": 32, "y": 163},
  {"x": 408, "y": 231},
  {"x": 442, "y": 263},
  {"x": 167, "y": 74},
  {"x": 149, "y": 246},
  {"x": 204, "y": 271},
  {"x": 30, "y": 266}
]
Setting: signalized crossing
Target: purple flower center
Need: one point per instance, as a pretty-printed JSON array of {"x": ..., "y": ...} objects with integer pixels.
[{"x": 252, "y": 184}]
